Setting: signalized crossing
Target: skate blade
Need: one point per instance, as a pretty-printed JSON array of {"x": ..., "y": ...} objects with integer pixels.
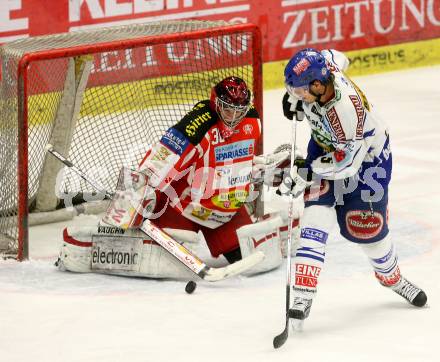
[{"x": 297, "y": 325}]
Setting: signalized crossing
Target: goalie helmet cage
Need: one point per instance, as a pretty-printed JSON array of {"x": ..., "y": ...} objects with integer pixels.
[{"x": 102, "y": 97}]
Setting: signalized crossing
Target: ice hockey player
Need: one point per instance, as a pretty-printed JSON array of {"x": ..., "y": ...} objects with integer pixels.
[
  {"x": 198, "y": 177},
  {"x": 345, "y": 174}
]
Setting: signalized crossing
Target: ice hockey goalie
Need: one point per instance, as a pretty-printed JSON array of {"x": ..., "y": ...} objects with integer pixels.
[{"x": 197, "y": 180}]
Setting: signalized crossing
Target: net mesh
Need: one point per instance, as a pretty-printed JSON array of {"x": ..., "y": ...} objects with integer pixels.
[{"x": 133, "y": 94}]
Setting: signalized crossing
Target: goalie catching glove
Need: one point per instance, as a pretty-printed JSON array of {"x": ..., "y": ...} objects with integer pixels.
[{"x": 270, "y": 169}]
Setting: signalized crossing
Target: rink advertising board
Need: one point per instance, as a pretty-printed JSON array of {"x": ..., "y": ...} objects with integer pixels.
[{"x": 374, "y": 32}]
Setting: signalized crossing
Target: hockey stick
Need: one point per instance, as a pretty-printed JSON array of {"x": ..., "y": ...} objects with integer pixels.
[
  {"x": 186, "y": 257},
  {"x": 280, "y": 339}
]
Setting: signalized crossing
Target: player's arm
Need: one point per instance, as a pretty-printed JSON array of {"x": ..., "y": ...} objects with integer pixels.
[
  {"x": 137, "y": 190},
  {"x": 167, "y": 159},
  {"x": 352, "y": 142},
  {"x": 336, "y": 58},
  {"x": 344, "y": 162},
  {"x": 179, "y": 147}
]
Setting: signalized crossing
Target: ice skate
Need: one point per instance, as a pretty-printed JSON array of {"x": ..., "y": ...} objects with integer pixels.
[
  {"x": 299, "y": 311},
  {"x": 410, "y": 292}
]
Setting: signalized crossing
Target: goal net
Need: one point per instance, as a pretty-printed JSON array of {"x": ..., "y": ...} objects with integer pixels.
[{"x": 101, "y": 97}]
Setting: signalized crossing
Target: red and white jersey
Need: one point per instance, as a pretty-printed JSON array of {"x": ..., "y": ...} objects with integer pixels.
[{"x": 205, "y": 172}]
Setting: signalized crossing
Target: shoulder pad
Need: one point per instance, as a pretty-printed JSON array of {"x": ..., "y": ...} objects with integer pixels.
[
  {"x": 196, "y": 123},
  {"x": 252, "y": 113}
]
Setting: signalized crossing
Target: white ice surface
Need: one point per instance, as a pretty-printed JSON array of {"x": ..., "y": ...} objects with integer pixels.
[{"x": 48, "y": 315}]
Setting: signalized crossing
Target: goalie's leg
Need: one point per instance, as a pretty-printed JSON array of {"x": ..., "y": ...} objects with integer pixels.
[
  {"x": 241, "y": 237},
  {"x": 110, "y": 250},
  {"x": 262, "y": 236}
]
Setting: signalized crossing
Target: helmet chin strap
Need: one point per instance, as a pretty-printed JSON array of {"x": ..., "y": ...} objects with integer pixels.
[{"x": 317, "y": 95}]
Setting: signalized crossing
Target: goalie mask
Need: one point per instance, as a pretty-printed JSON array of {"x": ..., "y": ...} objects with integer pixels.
[{"x": 231, "y": 99}]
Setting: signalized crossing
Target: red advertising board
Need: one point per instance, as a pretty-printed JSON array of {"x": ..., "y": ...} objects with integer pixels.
[{"x": 287, "y": 25}]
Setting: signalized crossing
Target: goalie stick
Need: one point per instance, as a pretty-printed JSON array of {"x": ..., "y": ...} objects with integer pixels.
[
  {"x": 185, "y": 256},
  {"x": 280, "y": 339}
]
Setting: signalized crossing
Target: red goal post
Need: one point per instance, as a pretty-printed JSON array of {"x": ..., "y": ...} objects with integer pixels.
[{"x": 101, "y": 96}]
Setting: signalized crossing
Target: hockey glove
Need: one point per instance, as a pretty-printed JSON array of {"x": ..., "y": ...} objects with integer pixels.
[
  {"x": 294, "y": 183},
  {"x": 292, "y": 107},
  {"x": 284, "y": 167},
  {"x": 266, "y": 168},
  {"x": 269, "y": 169}
]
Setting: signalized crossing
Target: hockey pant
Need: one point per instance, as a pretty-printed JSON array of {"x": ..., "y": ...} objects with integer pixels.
[{"x": 316, "y": 223}]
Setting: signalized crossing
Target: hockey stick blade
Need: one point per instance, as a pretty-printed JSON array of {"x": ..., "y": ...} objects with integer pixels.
[
  {"x": 185, "y": 256},
  {"x": 215, "y": 274},
  {"x": 193, "y": 262},
  {"x": 279, "y": 340}
]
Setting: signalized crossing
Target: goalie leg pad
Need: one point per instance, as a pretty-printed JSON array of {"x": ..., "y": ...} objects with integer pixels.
[
  {"x": 77, "y": 247},
  {"x": 262, "y": 236},
  {"x": 284, "y": 230},
  {"x": 112, "y": 250},
  {"x": 75, "y": 254}
]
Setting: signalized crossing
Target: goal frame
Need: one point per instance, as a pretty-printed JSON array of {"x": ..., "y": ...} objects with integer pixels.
[{"x": 22, "y": 93}]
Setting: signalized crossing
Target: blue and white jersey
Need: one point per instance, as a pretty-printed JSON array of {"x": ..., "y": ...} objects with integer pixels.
[{"x": 350, "y": 135}]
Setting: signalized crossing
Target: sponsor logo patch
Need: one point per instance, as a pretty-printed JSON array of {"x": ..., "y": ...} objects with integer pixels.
[
  {"x": 234, "y": 151},
  {"x": 223, "y": 171},
  {"x": 313, "y": 193},
  {"x": 161, "y": 154},
  {"x": 175, "y": 141},
  {"x": 389, "y": 280},
  {"x": 239, "y": 180},
  {"x": 306, "y": 275},
  {"x": 237, "y": 175},
  {"x": 247, "y": 129},
  {"x": 192, "y": 127},
  {"x": 336, "y": 125},
  {"x": 360, "y": 113},
  {"x": 116, "y": 252},
  {"x": 220, "y": 218},
  {"x": 339, "y": 155},
  {"x": 363, "y": 224},
  {"x": 110, "y": 230},
  {"x": 314, "y": 234},
  {"x": 230, "y": 200},
  {"x": 201, "y": 213},
  {"x": 114, "y": 257},
  {"x": 301, "y": 66},
  {"x": 385, "y": 258}
]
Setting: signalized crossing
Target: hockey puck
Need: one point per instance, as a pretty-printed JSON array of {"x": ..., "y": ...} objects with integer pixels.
[{"x": 190, "y": 287}]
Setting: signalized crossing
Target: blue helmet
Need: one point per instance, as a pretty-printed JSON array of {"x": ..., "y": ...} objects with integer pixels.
[{"x": 306, "y": 66}]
